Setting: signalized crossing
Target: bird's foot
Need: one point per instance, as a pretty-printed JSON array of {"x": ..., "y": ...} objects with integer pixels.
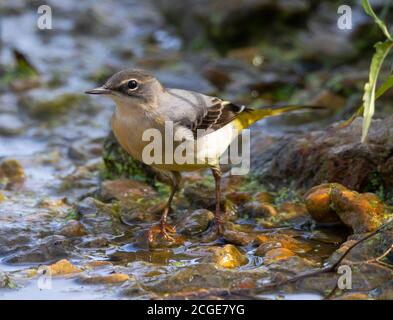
[{"x": 163, "y": 230}]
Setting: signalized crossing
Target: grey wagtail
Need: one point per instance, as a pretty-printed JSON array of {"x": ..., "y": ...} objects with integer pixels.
[{"x": 143, "y": 103}]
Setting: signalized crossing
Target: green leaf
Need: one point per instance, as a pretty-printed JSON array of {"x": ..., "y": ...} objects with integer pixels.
[
  {"x": 369, "y": 10},
  {"x": 369, "y": 97},
  {"x": 384, "y": 87},
  {"x": 382, "y": 49},
  {"x": 380, "y": 91}
]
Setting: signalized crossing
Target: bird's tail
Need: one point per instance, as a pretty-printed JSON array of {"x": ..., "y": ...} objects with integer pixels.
[{"x": 250, "y": 116}]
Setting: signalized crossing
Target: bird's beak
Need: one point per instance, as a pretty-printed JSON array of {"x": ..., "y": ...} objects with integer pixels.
[{"x": 99, "y": 90}]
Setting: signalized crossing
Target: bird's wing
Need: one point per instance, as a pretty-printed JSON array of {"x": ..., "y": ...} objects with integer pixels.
[{"x": 199, "y": 113}]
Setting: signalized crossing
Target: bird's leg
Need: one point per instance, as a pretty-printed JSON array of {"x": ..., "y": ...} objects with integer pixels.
[
  {"x": 164, "y": 228},
  {"x": 219, "y": 222}
]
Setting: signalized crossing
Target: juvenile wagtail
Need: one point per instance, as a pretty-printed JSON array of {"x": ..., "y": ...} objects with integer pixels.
[{"x": 143, "y": 103}]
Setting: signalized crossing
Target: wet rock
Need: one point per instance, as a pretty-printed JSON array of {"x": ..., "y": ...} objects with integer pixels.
[
  {"x": 275, "y": 255},
  {"x": 366, "y": 274},
  {"x": 287, "y": 213},
  {"x": 200, "y": 196},
  {"x": 159, "y": 257},
  {"x": 265, "y": 247},
  {"x": 88, "y": 207},
  {"x": 361, "y": 212},
  {"x": 72, "y": 229},
  {"x": 200, "y": 277},
  {"x": 49, "y": 249},
  {"x": 95, "y": 242},
  {"x": 272, "y": 241},
  {"x": 98, "y": 264},
  {"x": 85, "y": 149},
  {"x": 11, "y": 172},
  {"x": 229, "y": 256},
  {"x": 84, "y": 177},
  {"x": 333, "y": 155},
  {"x": 143, "y": 270},
  {"x": 196, "y": 222},
  {"x": 63, "y": 267},
  {"x": 13, "y": 238},
  {"x": 366, "y": 250},
  {"x": 54, "y": 205},
  {"x": 369, "y": 276},
  {"x": 238, "y": 197},
  {"x": 125, "y": 189},
  {"x": 354, "y": 296},
  {"x": 100, "y": 218},
  {"x": 365, "y": 277},
  {"x": 334, "y": 202},
  {"x": 256, "y": 209},
  {"x": 114, "y": 278},
  {"x": 284, "y": 262},
  {"x": 238, "y": 237},
  {"x": 42, "y": 106},
  {"x": 292, "y": 213},
  {"x": 332, "y": 236},
  {"x": 318, "y": 203},
  {"x": 10, "y": 125},
  {"x": 320, "y": 283},
  {"x": 384, "y": 292},
  {"x": 133, "y": 212}
]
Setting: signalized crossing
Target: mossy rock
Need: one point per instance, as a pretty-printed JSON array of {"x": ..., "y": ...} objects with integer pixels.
[
  {"x": 20, "y": 76},
  {"x": 46, "y": 108},
  {"x": 119, "y": 164}
]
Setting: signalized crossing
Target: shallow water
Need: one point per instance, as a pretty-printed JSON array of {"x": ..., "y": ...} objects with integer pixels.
[
  {"x": 60, "y": 289},
  {"x": 61, "y": 160}
]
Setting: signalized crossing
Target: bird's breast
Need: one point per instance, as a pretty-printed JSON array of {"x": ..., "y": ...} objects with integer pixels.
[{"x": 129, "y": 133}]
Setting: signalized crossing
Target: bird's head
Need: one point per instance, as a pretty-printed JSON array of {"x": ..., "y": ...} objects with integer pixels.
[{"x": 130, "y": 87}]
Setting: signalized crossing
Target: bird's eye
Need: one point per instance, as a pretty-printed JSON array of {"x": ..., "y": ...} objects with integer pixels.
[{"x": 132, "y": 84}]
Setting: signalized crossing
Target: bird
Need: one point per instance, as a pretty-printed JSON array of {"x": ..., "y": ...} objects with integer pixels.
[{"x": 210, "y": 123}]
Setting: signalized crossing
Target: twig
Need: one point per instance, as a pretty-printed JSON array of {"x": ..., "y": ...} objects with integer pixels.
[
  {"x": 378, "y": 259},
  {"x": 331, "y": 293}
]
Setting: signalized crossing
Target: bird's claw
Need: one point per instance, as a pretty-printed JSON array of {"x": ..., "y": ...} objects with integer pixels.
[{"x": 162, "y": 229}]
